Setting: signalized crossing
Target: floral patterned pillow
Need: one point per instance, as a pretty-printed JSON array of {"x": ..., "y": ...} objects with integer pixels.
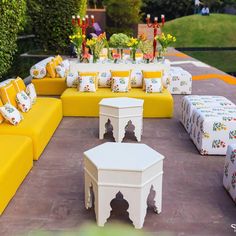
[
  {"x": 72, "y": 80},
  {"x": 87, "y": 84},
  {"x": 104, "y": 79},
  {"x": 153, "y": 85},
  {"x": 120, "y": 84},
  {"x": 61, "y": 71},
  {"x": 136, "y": 78},
  {"x": 38, "y": 71},
  {"x": 65, "y": 64},
  {"x": 31, "y": 92},
  {"x": 11, "y": 114},
  {"x": 23, "y": 101}
]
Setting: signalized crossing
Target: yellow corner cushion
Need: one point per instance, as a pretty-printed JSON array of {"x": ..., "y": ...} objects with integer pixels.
[
  {"x": 1, "y": 117},
  {"x": 19, "y": 84},
  {"x": 16, "y": 160},
  {"x": 51, "y": 69},
  {"x": 151, "y": 75},
  {"x": 8, "y": 94},
  {"x": 95, "y": 74},
  {"x": 58, "y": 59},
  {"x": 124, "y": 73},
  {"x": 39, "y": 123}
]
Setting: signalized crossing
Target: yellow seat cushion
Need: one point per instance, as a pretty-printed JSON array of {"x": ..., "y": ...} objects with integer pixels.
[
  {"x": 86, "y": 104},
  {"x": 19, "y": 85},
  {"x": 1, "y": 117},
  {"x": 50, "y": 86},
  {"x": 39, "y": 123},
  {"x": 8, "y": 94},
  {"x": 16, "y": 160}
]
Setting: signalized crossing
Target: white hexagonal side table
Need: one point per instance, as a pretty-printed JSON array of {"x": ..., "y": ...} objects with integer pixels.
[
  {"x": 120, "y": 111},
  {"x": 132, "y": 169}
]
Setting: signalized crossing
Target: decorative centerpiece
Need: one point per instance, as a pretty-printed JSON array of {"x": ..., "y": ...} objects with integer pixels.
[
  {"x": 119, "y": 41},
  {"x": 133, "y": 43},
  {"x": 77, "y": 40},
  {"x": 164, "y": 41}
]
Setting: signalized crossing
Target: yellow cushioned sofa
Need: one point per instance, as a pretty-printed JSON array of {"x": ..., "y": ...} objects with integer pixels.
[
  {"x": 50, "y": 86},
  {"x": 39, "y": 123},
  {"x": 16, "y": 160},
  {"x": 86, "y": 103}
]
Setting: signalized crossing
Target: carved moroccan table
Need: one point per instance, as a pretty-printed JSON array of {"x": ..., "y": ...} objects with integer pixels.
[
  {"x": 130, "y": 169},
  {"x": 120, "y": 111}
]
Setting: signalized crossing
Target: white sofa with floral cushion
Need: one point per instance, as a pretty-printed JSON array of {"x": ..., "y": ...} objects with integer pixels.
[
  {"x": 210, "y": 121},
  {"x": 229, "y": 179}
]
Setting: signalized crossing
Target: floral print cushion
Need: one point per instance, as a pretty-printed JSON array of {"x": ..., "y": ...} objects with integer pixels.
[
  {"x": 212, "y": 129},
  {"x": 23, "y": 101},
  {"x": 61, "y": 71},
  {"x": 153, "y": 85},
  {"x": 136, "y": 78},
  {"x": 31, "y": 92},
  {"x": 11, "y": 114},
  {"x": 87, "y": 84},
  {"x": 229, "y": 178},
  {"x": 120, "y": 84},
  {"x": 72, "y": 80},
  {"x": 104, "y": 79}
]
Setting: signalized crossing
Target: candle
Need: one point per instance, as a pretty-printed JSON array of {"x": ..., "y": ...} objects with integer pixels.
[
  {"x": 148, "y": 16},
  {"x": 92, "y": 16},
  {"x": 78, "y": 17},
  {"x": 83, "y": 19},
  {"x": 73, "y": 20},
  {"x": 163, "y": 19},
  {"x": 73, "y": 17},
  {"x": 86, "y": 16},
  {"x": 162, "y": 16},
  {"x": 156, "y": 19}
]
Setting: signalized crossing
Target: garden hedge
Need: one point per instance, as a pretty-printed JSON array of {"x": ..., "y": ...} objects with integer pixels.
[
  {"x": 12, "y": 14},
  {"x": 51, "y": 20}
]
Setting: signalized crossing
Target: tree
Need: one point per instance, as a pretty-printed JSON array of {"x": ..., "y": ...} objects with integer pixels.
[
  {"x": 123, "y": 14},
  {"x": 12, "y": 20}
]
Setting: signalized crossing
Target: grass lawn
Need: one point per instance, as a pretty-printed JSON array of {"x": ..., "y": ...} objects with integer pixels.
[
  {"x": 216, "y": 30},
  {"x": 223, "y": 60}
]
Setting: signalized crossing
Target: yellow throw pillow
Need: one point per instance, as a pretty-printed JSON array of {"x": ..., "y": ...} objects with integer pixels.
[
  {"x": 151, "y": 75},
  {"x": 19, "y": 84},
  {"x": 95, "y": 74},
  {"x": 8, "y": 94},
  {"x": 1, "y": 117},
  {"x": 51, "y": 69},
  {"x": 125, "y": 73},
  {"x": 58, "y": 59}
]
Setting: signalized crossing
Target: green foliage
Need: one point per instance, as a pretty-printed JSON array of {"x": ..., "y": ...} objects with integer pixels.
[
  {"x": 12, "y": 14},
  {"x": 119, "y": 40},
  {"x": 52, "y": 22},
  {"x": 83, "y": 8},
  {"x": 217, "y": 30},
  {"x": 123, "y": 14}
]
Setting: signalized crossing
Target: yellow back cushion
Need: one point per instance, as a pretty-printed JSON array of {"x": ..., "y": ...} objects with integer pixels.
[
  {"x": 1, "y": 117},
  {"x": 8, "y": 94},
  {"x": 59, "y": 59},
  {"x": 51, "y": 69},
  {"x": 151, "y": 75},
  {"x": 125, "y": 73},
  {"x": 95, "y": 74},
  {"x": 19, "y": 84}
]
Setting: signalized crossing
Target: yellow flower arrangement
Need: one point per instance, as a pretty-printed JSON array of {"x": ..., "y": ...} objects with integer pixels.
[
  {"x": 133, "y": 43},
  {"x": 77, "y": 40}
]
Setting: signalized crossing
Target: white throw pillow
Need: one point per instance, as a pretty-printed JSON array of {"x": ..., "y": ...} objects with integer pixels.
[
  {"x": 120, "y": 84},
  {"x": 104, "y": 79},
  {"x": 61, "y": 71},
  {"x": 153, "y": 85},
  {"x": 23, "y": 101},
  {"x": 87, "y": 84},
  {"x": 65, "y": 64},
  {"x": 72, "y": 80},
  {"x": 11, "y": 114},
  {"x": 136, "y": 78},
  {"x": 31, "y": 92}
]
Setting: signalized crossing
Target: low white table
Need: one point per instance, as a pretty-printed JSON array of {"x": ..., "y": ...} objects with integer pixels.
[
  {"x": 132, "y": 170},
  {"x": 120, "y": 111}
]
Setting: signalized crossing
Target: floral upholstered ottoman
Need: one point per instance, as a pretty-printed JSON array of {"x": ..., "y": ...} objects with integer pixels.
[
  {"x": 212, "y": 129},
  {"x": 229, "y": 179},
  {"x": 195, "y": 101},
  {"x": 180, "y": 81}
]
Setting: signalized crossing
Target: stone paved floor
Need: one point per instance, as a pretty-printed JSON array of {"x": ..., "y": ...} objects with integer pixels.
[{"x": 194, "y": 201}]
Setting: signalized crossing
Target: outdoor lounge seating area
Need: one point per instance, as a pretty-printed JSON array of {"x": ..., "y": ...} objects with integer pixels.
[{"x": 109, "y": 126}]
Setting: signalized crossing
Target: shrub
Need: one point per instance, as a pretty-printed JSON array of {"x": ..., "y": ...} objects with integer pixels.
[
  {"x": 52, "y": 22},
  {"x": 12, "y": 14}
]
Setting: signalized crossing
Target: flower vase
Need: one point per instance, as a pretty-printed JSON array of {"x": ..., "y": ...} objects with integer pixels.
[
  {"x": 95, "y": 57},
  {"x": 133, "y": 56}
]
